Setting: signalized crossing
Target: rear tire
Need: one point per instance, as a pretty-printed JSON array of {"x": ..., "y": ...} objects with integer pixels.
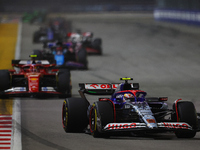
[
  {"x": 38, "y": 53},
  {"x": 64, "y": 82},
  {"x": 187, "y": 113},
  {"x": 4, "y": 80},
  {"x": 102, "y": 111},
  {"x": 96, "y": 44},
  {"x": 74, "y": 115},
  {"x": 36, "y": 37},
  {"x": 82, "y": 57}
]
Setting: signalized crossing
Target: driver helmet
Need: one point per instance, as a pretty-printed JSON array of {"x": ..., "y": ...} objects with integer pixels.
[
  {"x": 128, "y": 96},
  {"x": 59, "y": 47},
  {"x": 75, "y": 37},
  {"x": 35, "y": 69}
]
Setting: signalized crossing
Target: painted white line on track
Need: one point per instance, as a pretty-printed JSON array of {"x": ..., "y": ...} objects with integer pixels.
[{"x": 17, "y": 138}]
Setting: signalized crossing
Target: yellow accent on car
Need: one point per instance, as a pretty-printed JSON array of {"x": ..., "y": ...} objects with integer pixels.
[
  {"x": 126, "y": 79},
  {"x": 8, "y": 38},
  {"x": 32, "y": 56}
]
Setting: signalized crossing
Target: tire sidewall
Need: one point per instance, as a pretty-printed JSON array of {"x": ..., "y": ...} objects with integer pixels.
[
  {"x": 64, "y": 81},
  {"x": 187, "y": 113},
  {"x": 5, "y": 80},
  {"x": 102, "y": 117},
  {"x": 75, "y": 114}
]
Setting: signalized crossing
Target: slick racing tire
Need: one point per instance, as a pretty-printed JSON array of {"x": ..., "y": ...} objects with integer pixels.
[
  {"x": 38, "y": 53},
  {"x": 74, "y": 115},
  {"x": 64, "y": 82},
  {"x": 36, "y": 37},
  {"x": 187, "y": 113},
  {"x": 96, "y": 44},
  {"x": 102, "y": 111},
  {"x": 4, "y": 80},
  {"x": 82, "y": 57}
]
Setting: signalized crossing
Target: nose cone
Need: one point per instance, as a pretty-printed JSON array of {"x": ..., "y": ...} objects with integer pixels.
[{"x": 152, "y": 125}]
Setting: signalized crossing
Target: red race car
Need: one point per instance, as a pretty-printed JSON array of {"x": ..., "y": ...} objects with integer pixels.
[{"x": 35, "y": 79}]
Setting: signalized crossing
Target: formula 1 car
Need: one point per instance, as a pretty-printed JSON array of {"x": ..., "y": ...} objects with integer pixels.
[
  {"x": 56, "y": 29},
  {"x": 92, "y": 45},
  {"x": 45, "y": 34},
  {"x": 65, "y": 55},
  {"x": 36, "y": 79},
  {"x": 34, "y": 17},
  {"x": 127, "y": 110}
]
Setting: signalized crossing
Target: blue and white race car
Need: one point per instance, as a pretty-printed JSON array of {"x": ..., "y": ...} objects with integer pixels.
[
  {"x": 65, "y": 55},
  {"x": 127, "y": 110}
]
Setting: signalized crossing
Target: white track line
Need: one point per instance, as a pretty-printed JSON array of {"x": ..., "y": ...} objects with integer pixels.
[{"x": 17, "y": 138}]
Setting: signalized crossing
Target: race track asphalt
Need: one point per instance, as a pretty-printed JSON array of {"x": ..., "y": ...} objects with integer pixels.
[{"x": 163, "y": 58}]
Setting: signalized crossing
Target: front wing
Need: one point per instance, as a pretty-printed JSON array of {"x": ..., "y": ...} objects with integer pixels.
[
  {"x": 71, "y": 65},
  {"x": 163, "y": 126},
  {"x": 47, "y": 92}
]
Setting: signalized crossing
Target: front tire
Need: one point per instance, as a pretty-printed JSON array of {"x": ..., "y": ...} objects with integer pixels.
[
  {"x": 36, "y": 37},
  {"x": 4, "y": 80},
  {"x": 64, "y": 82},
  {"x": 96, "y": 44},
  {"x": 74, "y": 115},
  {"x": 101, "y": 114},
  {"x": 38, "y": 53},
  {"x": 82, "y": 57},
  {"x": 187, "y": 113}
]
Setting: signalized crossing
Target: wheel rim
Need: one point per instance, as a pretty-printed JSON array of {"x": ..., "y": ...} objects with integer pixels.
[
  {"x": 93, "y": 120},
  {"x": 65, "y": 117}
]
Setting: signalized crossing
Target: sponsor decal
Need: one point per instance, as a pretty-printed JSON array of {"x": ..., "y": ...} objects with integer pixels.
[
  {"x": 127, "y": 106},
  {"x": 175, "y": 125},
  {"x": 151, "y": 121},
  {"x": 33, "y": 79},
  {"x": 119, "y": 96},
  {"x": 121, "y": 126},
  {"x": 101, "y": 86},
  {"x": 36, "y": 75},
  {"x": 116, "y": 126}
]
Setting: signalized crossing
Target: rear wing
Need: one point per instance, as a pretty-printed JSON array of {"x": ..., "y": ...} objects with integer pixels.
[
  {"x": 103, "y": 88},
  {"x": 54, "y": 44},
  {"x": 156, "y": 99},
  {"x": 18, "y": 63}
]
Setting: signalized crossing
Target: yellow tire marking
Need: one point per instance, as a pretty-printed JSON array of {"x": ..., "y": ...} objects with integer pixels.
[
  {"x": 8, "y": 38},
  {"x": 95, "y": 127}
]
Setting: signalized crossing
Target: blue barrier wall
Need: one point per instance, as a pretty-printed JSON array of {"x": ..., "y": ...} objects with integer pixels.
[
  {"x": 181, "y": 11},
  {"x": 180, "y": 16}
]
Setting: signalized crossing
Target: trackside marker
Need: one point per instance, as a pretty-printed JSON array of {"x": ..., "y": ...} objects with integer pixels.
[{"x": 5, "y": 131}]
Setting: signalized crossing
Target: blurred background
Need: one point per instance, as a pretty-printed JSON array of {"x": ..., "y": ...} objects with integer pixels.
[
  {"x": 184, "y": 11},
  {"x": 76, "y": 5}
]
